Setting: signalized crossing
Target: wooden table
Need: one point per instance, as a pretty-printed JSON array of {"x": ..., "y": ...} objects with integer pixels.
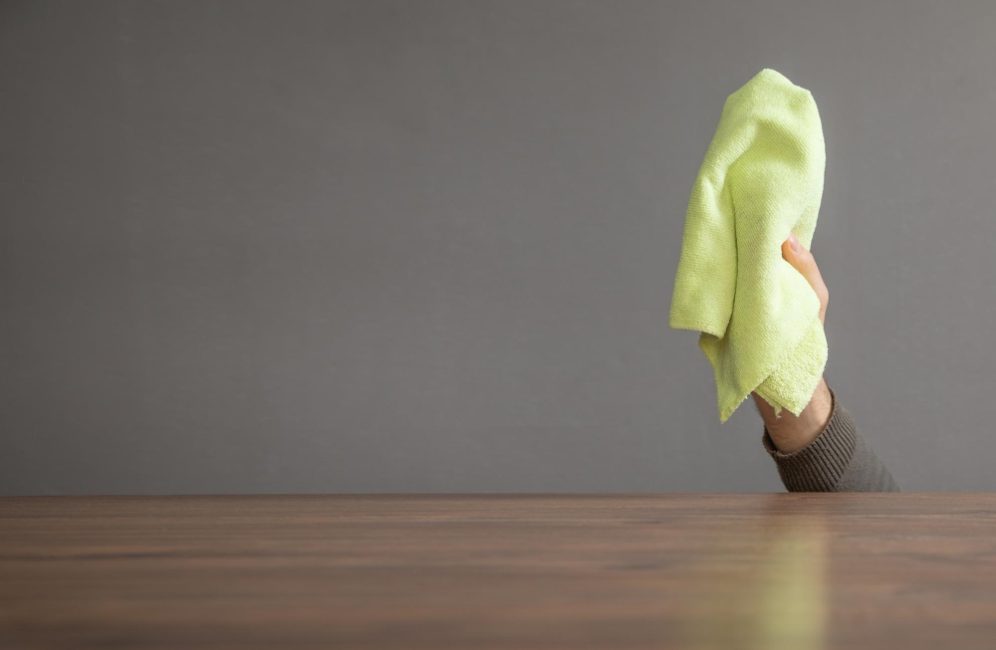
[{"x": 798, "y": 571}]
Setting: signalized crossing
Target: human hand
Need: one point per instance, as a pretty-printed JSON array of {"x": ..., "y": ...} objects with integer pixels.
[
  {"x": 790, "y": 432},
  {"x": 804, "y": 262}
]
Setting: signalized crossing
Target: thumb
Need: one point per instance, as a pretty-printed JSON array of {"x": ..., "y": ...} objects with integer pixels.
[{"x": 803, "y": 261}]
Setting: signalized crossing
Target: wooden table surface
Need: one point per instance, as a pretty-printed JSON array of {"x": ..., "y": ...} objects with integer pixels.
[{"x": 799, "y": 571}]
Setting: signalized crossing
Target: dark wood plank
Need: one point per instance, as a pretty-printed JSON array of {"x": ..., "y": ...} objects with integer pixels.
[{"x": 800, "y": 571}]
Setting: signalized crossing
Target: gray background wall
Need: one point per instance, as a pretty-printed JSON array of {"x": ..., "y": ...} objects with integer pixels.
[{"x": 430, "y": 246}]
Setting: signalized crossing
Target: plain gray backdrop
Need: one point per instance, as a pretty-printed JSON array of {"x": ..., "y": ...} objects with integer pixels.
[{"x": 430, "y": 246}]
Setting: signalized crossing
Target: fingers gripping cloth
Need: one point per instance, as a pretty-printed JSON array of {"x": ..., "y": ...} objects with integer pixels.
[{"x": 761, "y": 179}]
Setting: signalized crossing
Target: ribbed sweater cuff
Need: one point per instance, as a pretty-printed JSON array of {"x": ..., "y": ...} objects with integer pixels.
[{"x": 818, "y": 466}]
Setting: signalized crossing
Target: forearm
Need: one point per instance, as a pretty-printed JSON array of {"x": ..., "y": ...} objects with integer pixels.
[{"x": 836, "y": 459}]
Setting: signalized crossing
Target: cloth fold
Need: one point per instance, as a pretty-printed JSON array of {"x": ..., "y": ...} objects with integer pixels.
[{"x": 761, "y": 179}]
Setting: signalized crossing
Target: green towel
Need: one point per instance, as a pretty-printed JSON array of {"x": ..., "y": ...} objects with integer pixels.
[{"x": 761, "y": 179}]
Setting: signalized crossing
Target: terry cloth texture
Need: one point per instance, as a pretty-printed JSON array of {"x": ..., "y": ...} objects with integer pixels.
[
  {"x": 762, "y": 178},
  {"x": 837, "y": 460}
]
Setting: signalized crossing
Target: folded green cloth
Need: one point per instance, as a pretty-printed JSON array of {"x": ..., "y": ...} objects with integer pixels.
[{"x": 761, "y": 179}]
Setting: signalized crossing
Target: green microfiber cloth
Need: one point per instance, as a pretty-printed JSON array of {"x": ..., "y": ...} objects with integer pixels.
[{"x": 761, "y": 179}]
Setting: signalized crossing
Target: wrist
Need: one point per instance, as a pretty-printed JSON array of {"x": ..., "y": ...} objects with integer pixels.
[{"x": 790, "y": 432}]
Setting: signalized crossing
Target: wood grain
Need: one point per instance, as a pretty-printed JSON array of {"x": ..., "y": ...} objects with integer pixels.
[{"x": 799, "y": 571}]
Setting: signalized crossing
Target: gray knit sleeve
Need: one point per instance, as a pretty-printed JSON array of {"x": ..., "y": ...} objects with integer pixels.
[{"x": 837, "y": 460}]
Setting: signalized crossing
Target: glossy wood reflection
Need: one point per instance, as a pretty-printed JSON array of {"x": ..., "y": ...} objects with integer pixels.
[{"x": 800, "y": 571}]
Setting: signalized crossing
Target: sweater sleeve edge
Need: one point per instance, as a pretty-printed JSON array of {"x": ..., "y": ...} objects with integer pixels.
[{"x": 819, "y": 466}]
